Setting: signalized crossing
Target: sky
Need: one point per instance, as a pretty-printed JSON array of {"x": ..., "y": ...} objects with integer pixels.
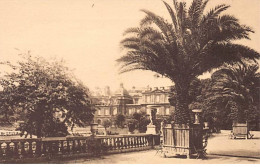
[{"x": 86, "y": 34}]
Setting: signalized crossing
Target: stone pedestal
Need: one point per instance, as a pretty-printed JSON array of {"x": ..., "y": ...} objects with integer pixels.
[{"x": 151, "y": 129}]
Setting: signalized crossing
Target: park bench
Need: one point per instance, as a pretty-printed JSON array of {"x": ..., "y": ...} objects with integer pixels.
[{"x": 240, "y": 130}]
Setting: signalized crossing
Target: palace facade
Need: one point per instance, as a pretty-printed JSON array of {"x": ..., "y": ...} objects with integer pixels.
[{"x": 127, "y": 102}]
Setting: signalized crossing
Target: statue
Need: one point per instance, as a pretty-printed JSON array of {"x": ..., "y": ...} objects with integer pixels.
[
  {"x": 162, "y": 126},
  {"x": 153, "y": 116}
]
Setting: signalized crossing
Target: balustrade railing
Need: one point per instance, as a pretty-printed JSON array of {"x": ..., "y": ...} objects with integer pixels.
[{"x": 55, "y": 146}]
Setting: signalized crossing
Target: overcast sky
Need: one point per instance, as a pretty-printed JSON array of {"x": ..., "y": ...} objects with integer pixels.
[{"x": 86, "y": 34}]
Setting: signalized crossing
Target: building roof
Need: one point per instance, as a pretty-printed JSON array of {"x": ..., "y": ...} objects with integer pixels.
[{"x": 121, "y": 91}]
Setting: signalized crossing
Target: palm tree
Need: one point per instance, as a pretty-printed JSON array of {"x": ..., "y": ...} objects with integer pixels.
[
  {"x": 236, "y": 89},
  {"x": 185, "y": 47}
]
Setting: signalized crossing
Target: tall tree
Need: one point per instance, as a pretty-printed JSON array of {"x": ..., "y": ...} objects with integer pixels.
[
  {"x": 141, "y": 121},
  {"x": 185, "y": 47},
  {"x": 120, "y": 120},
  {"x": 48, "y": 94},
  {"x": 234, "y": 93}
]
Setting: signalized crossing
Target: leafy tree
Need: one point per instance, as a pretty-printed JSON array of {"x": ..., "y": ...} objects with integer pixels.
[
  {"x": 191, "y": 43},
  {"x": 8, "y": 114},
  {"x": 120, "y": 120},
  {"x": 47, "y": 94},
  {"x": 107, "y": 123},
  {"x": 132, "y": 124},
  {"x": 235, "y": 94},
  {"x": 141, "y": 121}
]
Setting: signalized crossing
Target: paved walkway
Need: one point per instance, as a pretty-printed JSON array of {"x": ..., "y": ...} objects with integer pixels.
[
  {"x": 150, "y": 157},
  {"x": 221, "y": 150},
  {"x": 220, "y": 144}
]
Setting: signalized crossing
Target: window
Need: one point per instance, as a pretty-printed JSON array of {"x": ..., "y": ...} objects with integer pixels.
[
  {"x": 114, "y": 111},
  {"x": 166, "y": 98},
  {"x": 131, "y": 111},
  {"x": 162, "y": 98},
  {"x": 158, "y": 111},
  {"x": 167, "y": 112},
  {"x": 107, "y": 111},
  {"x": 148, "y": 99},
  {"x": 157, "y": 99},
  {"x": 99, "y": 112}
]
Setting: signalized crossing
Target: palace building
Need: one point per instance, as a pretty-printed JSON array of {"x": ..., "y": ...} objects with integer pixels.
[{"x": 127, "y": 102}]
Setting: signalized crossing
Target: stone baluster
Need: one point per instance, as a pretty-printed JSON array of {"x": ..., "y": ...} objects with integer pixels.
[
  {"x": 73, "y": 146},
  {"x": 57, "y": 147},
  {"x": 16, "y": 152},
  {"x": 68, "y": 146},
  {"x": 110, "y": 143},
  {"x": 119, "y": 143},
  {"x": 135, "y": 141},
  {"x": 23, "y": 148},
  {"x": 131, "y": 142},
  {"x": 8, "y": 151},
  {"x": 116, "y": 143},
  {"x": 50, "y": 148},
  {"x": 11, "y": 149},
  {"x": 1, "y": 150},
  {"x": 79, "y": 146},
  {"x": 30, "y": 152},
  {"x": 123, "y": 143},
  {"x": 146, "y": 140},
  {"x": 127, "y": 142},
  {"x": 84, "y": 146},
  {"x": 61, "y": 148},
  {"x": 38, "y": 149},
  {"x": 143, "y": 141},
  {"x": 43, "y": 148}
]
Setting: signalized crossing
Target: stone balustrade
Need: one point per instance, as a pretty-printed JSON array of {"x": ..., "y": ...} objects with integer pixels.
[{"x": 16, "y": 149}]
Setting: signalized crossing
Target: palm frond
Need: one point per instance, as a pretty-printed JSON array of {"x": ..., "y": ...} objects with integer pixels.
[
  {"x": 134, "y": 30},
  {"x": 173, "y": 15},
  {"x": 221, "y": 53},
  {"x": 195, "y": 12},
  {"x": 213, "y": 13},
  {"x": 161, "y": 23},
  {"x": 182, "y": 16}
]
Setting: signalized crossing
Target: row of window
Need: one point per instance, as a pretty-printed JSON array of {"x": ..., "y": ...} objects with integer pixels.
[
  {"x": 106, "y": 111},
  {"x": 159, "y": 98},
  {"x": 152, "y": 98}
]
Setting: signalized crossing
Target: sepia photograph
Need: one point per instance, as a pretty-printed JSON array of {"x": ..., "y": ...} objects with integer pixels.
[{"x": 129, "y": 82}]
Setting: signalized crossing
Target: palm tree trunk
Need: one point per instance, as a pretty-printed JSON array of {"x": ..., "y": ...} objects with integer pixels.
[{"x": 182, "y": 112}]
